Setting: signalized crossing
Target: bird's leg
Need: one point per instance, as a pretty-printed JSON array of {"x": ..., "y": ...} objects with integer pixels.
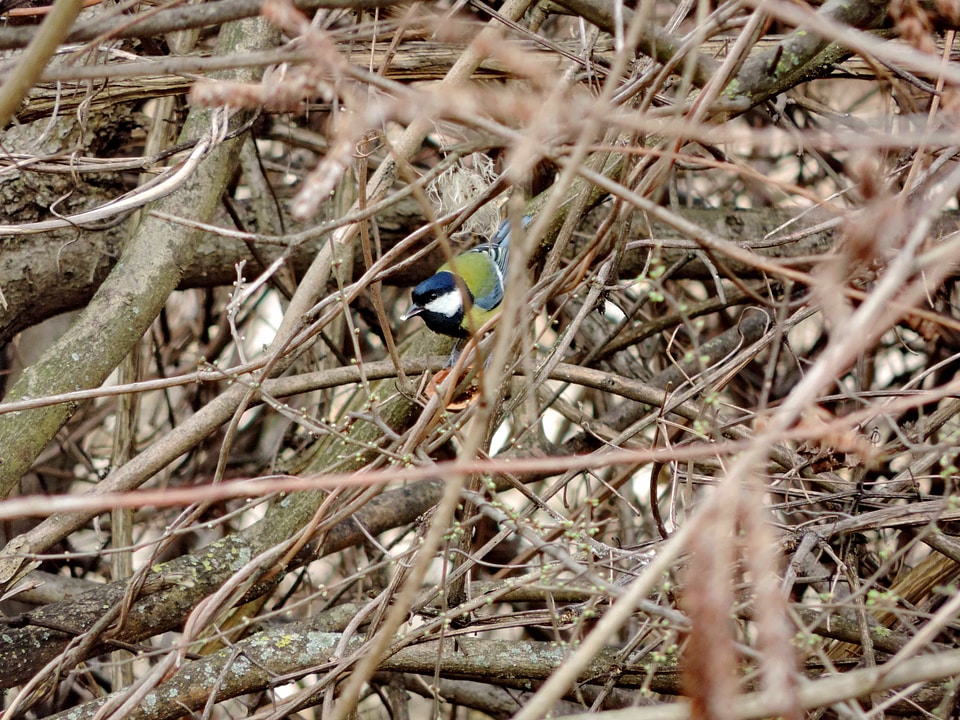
[{"x": 455, "y": 353}]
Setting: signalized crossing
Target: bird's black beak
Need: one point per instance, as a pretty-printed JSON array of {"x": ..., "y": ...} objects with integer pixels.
[{"x": 412, "y": 312}]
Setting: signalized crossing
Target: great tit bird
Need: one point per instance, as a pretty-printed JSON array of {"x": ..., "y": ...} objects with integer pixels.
[{"x": 449, "y": 310}]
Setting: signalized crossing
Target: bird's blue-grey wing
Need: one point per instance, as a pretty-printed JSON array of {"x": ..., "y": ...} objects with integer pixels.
[
  {"x": 499, "y": 251},
  {"x": 491, "y": 294}
]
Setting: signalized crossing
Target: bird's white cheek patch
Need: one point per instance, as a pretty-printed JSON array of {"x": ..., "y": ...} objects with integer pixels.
[{"x": 448, "y": 304}]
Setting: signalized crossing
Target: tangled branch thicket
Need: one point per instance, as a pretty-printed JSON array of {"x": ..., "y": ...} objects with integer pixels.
[{"x": 708, "y": 450}]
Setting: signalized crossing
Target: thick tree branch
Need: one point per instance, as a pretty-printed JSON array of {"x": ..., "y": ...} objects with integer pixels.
[{"x": 129, "y": 300}]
